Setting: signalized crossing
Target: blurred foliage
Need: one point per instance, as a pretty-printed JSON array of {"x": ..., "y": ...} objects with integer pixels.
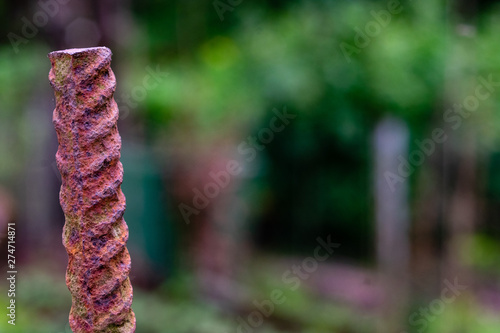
[{"x": 314, "y": 177}]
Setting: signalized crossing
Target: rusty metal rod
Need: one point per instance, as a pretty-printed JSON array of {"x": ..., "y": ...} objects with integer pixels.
[{"x": 95, "y": 233}]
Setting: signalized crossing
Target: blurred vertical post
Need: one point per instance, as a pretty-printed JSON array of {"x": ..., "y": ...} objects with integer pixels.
[{"x": 391, "y": 139}]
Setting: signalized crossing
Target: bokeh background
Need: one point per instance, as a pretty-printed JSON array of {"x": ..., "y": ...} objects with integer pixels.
[{"x": 373, "y": 125}]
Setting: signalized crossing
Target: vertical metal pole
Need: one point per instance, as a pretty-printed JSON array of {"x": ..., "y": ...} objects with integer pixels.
[{"x": 95, "y": 233}]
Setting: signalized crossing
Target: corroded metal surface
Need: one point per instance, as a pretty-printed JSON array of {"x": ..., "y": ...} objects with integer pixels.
[{"x": 95, "y": 233}]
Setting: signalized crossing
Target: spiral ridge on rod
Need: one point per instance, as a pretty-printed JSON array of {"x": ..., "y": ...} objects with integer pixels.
[{"x": 88, "y": 158}]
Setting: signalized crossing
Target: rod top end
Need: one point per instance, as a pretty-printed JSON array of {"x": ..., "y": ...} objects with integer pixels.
[{"x": 80, "y": 51}]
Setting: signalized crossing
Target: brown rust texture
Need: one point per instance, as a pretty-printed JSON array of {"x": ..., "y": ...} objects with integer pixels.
[{"x": 95, "y": 233}]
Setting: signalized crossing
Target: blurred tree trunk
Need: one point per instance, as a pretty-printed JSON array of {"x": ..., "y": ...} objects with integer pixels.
[
  {"x": 426, "y": 251},
  {"x": 461, "y": 213},
  {"x": 215, "y": 233},
  {"x": 460, "y": 156},
  {"x": 391, "y": 208}
]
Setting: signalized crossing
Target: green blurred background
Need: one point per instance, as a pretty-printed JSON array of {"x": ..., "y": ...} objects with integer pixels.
[{"x": 365, "y": 85}]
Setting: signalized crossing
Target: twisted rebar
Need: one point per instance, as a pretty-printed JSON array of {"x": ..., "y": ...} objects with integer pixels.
[{"x": 95, "y": 233}]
